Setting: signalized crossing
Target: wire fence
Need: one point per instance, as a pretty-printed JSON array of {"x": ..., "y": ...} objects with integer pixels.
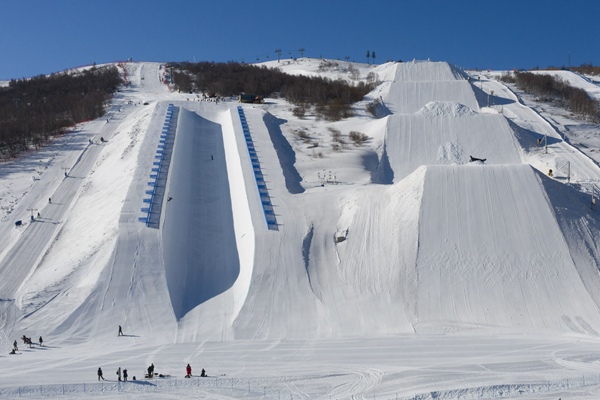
[{"x": 282, "y": 389}]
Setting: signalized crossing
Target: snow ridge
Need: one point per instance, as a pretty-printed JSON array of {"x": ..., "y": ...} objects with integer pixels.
[{"x": 437, "y": 109}]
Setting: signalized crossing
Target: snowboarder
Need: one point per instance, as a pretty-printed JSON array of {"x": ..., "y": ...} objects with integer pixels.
[
  {"x": 120, "y": 331},
  {"x": 119, "y": 373},
  {"x": 100, "y": 374},
  {"x": 477, "y": 159},
  {"x": 188, "y": 371},
  {"x": 41, "y": 341},
  {"x": 125, "y": 375}
]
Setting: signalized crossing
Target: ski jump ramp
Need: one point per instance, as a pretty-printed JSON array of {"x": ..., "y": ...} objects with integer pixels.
[
  {"x": 446, "y": 133},
  {"x": 491, "y": 253}
]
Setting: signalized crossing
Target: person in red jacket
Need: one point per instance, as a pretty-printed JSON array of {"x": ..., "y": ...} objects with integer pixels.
[{"x": 188, "y": 371}]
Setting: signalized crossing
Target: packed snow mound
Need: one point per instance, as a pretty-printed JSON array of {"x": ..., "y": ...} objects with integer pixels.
[
  {"x": 426, "y": 71},
  {"x": 417, "y": 139},
  {"x": 491, "y": 253},
  {"x": 410, "y": 97},
  {"x": 437, "y": 109},
  {"x": 417, "y": 83}
]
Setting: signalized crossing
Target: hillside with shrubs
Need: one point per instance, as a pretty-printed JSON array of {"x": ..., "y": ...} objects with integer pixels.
[
  {"x": 332, "y": 99},
  {"x": 549, "y": 88},
  {"x": 32, "y": 110}
]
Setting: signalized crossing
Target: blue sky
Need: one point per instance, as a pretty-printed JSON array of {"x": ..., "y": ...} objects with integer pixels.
[{"x": 43, "y": 36}]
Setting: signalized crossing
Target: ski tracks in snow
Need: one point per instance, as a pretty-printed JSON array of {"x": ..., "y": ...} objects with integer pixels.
[{"x": 365, "y": 380}]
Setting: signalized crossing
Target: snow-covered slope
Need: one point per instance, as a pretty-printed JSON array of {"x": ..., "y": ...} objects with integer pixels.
[{"x": 400, "y": 235}]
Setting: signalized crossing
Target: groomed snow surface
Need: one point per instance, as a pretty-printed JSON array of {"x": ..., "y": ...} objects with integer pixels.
[{"x": 399, "y": 267}]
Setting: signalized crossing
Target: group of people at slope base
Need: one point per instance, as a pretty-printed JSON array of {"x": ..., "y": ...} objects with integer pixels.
[
  {"x": 122, "y": 374},
  {"x": 26, "y": 340},
  {"x": 188, "y": 372}
]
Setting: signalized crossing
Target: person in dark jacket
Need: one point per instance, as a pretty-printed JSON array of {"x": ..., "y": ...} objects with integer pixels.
[
  {"x": 100, "y": 374},
  {"x": 125, "y": 375},
  {"x": 151, "y": 370}
]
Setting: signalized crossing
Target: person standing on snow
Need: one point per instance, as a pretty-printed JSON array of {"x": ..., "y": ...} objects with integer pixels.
[
  {"x": 125, "y": 375},
  {"x": 41, "y": 341},
  {"x": 120, "y": 331},
  {"x": 188, "y": 371},
  {"x": 100, "y": 374},
  {"x": 151, "y": 370},
  {"x": 15, "y": 347},
  {"x": 119, "y": 374}
]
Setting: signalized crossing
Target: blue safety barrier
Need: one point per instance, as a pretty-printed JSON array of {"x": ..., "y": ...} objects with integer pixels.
[
  {"x": 263, "y": 191},
  {"x": 153, "y": 206}
]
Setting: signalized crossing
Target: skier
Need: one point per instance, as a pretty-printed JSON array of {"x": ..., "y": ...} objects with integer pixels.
[
  {"x": 100, "y": 374},
  {"x": 119, "y": 373},
  {"x": 120, "y": 331},
  {"x": 41, "y": 341},
  {"x": 188, "y": 371},
  {"x": 125, "y": 375}
]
